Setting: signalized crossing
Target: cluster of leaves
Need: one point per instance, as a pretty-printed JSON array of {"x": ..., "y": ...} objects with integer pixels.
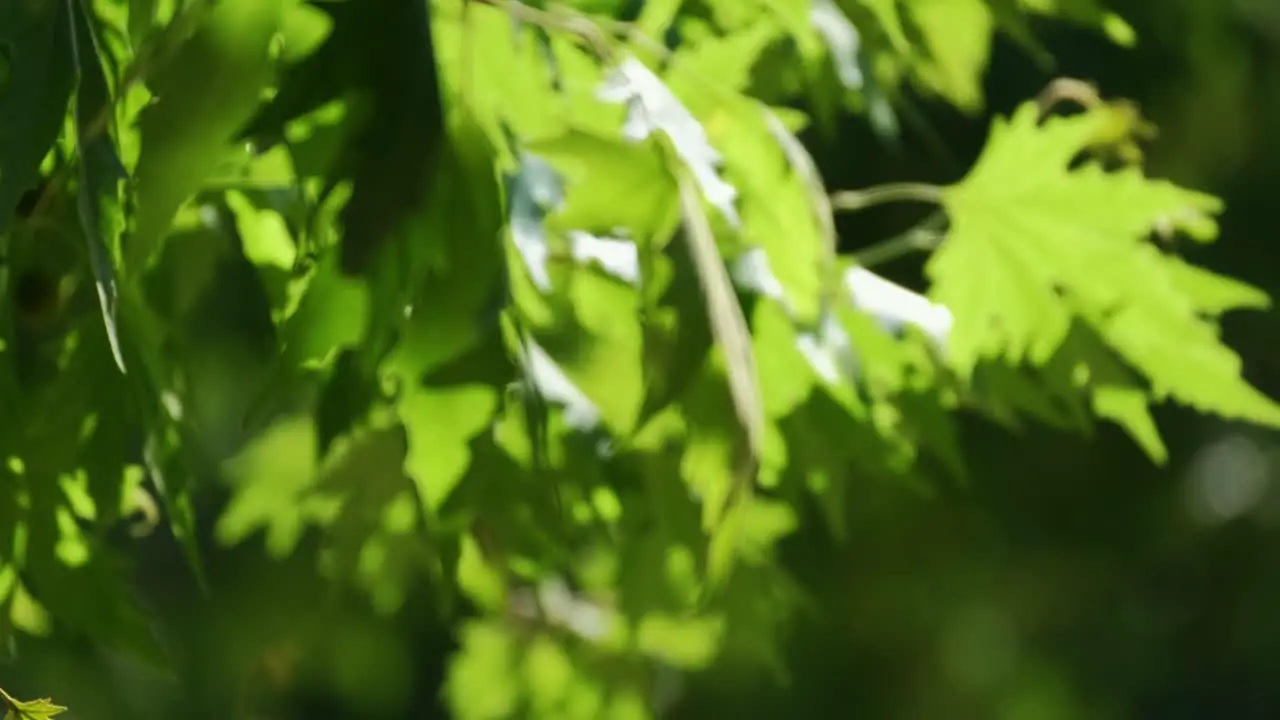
[{"x": 541, "y": 305}]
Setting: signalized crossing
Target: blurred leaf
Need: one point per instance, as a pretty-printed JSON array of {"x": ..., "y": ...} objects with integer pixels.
[
  {"x": 34, "y": 91},
  {"x": 101, "y": 172},
  {"x": 483, "y": 681},
  {"x": 440, "y": 422},
  {"x": 651, "y": 107},
  {"x": 383, "y": 52},
  {"x": 610, "y": 183},
  {"x": 842, "y": 41},
  {"x": 1086, "y": 12},
  {"x": 689, "y": 643},
  {"x": 271, "y": 478},
  {"x": 957, "y": 37},
  {"x": 728, "y": 325},
  {"x": 204, "y": 94}
]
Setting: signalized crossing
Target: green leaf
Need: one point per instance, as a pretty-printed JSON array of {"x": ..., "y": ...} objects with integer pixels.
[
  {"x": 33, "y": 93},
  {"x": 778, "y": 213},
  {"x": 101, "y": 172},
  {"x": 440, "y": 422},
  {"x": 271, "y": 477},
  {"x": 332, "y": 316},
  {"x": 382, "y": 52},
  {"x": 40, "y": 709},
  {"x": 651, "y": 108},
  {"x": 1115, "y": 391},
  {"x": 684, "y": 642},
  {"x": 1034, "y": 246},
  {"x": 842, "y": 40},
  {"x": 504, "y": 72},
  {"x": 728, "y": 326},
  {"x": 205, "y": 92},
  {"x": 549, "y": 672},
  {"x": 1086, "y": 12},
  {"x": 483, "y": 681},
  {"x": 888, "y": 15},
  {"x": 657, "y": 16},
  {"x": 610, "y": 183},
  {"x": 956, "y": 37}
]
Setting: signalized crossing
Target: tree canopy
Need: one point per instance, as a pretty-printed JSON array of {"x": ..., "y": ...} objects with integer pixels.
[{"x": 542, "y": 306}]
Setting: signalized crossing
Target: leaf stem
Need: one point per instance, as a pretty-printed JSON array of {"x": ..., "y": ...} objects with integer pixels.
[
  {"x": 567, "y": 21},
  {"x": 852, "y": 200},
  {"x": 922, "y": 237}
]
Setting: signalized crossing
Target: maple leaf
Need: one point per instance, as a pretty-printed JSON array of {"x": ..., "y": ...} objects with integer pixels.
[
  {"x": 1039, "y": 241},
  {"x": 40, "y": 709}
]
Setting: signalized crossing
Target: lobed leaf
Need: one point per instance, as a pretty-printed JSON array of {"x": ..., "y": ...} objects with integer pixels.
[{"x": 1034, "y": 247}]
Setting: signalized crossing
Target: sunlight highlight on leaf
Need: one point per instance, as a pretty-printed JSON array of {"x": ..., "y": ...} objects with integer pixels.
[{"x": 651, "y": 108}]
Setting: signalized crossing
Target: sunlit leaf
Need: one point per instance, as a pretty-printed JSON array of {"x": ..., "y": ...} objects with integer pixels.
[
  {"x": 1032, "y": 247},
  {"x": 957, "y": 38},
  {"x": 651, "y": 108},
  {"x": 204, "y": 94},
  {"x": 101, "y": 173},
  {"x": 440, "y": 422},
  {"x": 40, "y": 709}
]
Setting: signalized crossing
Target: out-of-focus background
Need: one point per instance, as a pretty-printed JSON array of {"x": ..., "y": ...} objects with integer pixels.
[{"x": 1069, "y": 579}]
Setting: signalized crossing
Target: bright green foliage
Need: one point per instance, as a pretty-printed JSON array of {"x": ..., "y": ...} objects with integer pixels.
[
  {"x": 545, "y": 313},
  {"x": 41, "y": 709},
  {"x": 1048, "y": 264}
]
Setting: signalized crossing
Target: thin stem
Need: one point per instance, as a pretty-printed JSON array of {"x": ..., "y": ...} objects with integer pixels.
[
  {"x": 923, "y": 237},
  {"x": 572, "y": 23},
  {"x": 851, "y": 200},
  {"x": 1065, "y": 89}
]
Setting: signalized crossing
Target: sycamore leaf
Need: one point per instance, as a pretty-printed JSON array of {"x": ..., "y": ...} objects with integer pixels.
[
  {"x": 1215, "y": 294},
  {"x": 684, "y": 642},
  {"x": 1034, "y": 246},
  {"x": 40, "y": 709},
  {"x": 331, "y": 316},
  {"x": 1116, "y": 392},
  {"x": 584, "y": 376},
  {"x": 826, "y": 345}
]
